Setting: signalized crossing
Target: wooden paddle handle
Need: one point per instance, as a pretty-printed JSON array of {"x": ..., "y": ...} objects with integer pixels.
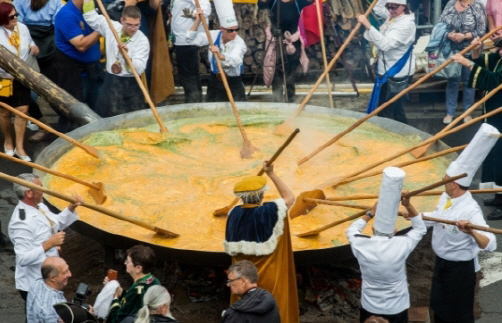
[
  {"x": 48, "y": 170},
  {"x": 280, "y": 150},
  {"x": 100, "y": 209},
  {"x": 473, "y": 226},
  {"x": 394, "y": 99},
  {"x": 223, "y": 76},
  {"x": 430, "y": 187},
  {"x": 133, "y": 69},
  {"x": 354, "y": 31},
  {"x": 91, "y": 150}
]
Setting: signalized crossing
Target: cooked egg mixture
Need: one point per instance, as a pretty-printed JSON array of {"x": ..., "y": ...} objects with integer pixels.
[{"x": 175, "y": 181}]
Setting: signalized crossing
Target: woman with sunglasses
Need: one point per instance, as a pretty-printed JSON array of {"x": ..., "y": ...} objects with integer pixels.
[
  {"x": 16, "y": 38},
  {"x": 466, "y": 20},
  {"x": 394, "y": 43}
]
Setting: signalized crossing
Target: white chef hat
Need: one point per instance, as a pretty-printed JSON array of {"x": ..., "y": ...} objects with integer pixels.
[
  {"x": 226, "y": 13},
  {"x": 402, "y": 2},
  {"x": 473, "y": 155},
  {"x": 389, "y": 199}
]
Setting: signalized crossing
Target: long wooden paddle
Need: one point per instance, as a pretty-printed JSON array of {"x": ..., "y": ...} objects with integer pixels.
[
  {"x": 287, "y": 126},
  {"x": 419, "y": 152},
  {"x": 320, "y": 24},
  {"x": 88, "y": 149},
  {"x": 133, "y": 69},
  {"x": 394, "y": 99},
  {"x": 224, "y": 210},
  {"x": 248, "y": 149},
  {"x": 100, "y": 209},
  {"x": 355, "y": 216},
  {"x": 473, "y": 226},
  {"x": 96, "y": 190},
  {"x": 336, "y": 181},
  {"x": 429, "y": 193}
]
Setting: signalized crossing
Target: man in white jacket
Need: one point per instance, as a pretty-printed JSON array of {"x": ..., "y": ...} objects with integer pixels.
[
  {"x": 120, "y": 92},
  {"x": 382, "y": 257},
  {"x": 35, "y": 232},
  {"x": 230, "y": 48}
]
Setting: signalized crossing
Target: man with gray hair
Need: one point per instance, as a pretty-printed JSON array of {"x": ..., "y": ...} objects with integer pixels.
[
  {"x": 256, "y": 304},
  {"x": 35, "y": 232},
  {"x": 47, "y": 291}
]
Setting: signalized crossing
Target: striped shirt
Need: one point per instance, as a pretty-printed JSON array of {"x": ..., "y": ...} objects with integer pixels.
[{"x": 39, "y": 303}]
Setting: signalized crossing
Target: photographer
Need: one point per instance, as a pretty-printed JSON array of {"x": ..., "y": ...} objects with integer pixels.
[{"x": 47, "y": 291}]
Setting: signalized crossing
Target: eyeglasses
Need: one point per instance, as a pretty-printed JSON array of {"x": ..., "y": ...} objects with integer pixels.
[
  {"x": 232, "y": 30},
  {"x": 127, "y": 262},
  {"x": 392, "y": 6},
  {"x": 132, "y": 26},
  {"x": 229, "y": 281},
  {"x": 14, "y": 16}
]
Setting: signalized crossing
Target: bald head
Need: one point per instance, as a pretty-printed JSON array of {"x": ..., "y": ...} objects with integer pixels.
[{"x": 55, "y": 272}]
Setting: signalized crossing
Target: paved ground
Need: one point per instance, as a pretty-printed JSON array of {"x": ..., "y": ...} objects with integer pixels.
[{"x": 425, "y": 115}]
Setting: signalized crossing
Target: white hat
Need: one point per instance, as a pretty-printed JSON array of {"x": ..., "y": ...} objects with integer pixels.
[
  {"x": 403, "y": 2},
  {"x": 226, "y": 13},
  {"x": 474, "y": 154},
  {"x": 388, "y": 200}
]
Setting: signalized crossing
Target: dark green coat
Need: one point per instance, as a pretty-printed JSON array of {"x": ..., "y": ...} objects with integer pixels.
[{"x": 487, "y": 75}]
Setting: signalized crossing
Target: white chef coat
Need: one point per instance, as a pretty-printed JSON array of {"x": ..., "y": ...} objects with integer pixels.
[
  {"x": 448, "y": 241},
  {"x": 29, "y": 234},
  {"x": 394, "y": 39},
  {"x": 25, "y": 44},
  {"x": 180, "y": 25},
  {"x": 383, "y": 266},
  {"x": 233, "y": 50},
  {"x": 138, "y": 46}
]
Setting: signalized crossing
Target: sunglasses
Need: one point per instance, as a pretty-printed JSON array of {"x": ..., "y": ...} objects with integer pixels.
[
  {"x": 232, "y": 30},
  {"x": 392, "y": 6},
  {"x": 12, "y": 17}
]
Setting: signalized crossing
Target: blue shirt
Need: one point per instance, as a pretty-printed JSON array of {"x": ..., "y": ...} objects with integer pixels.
[
  {"x": 43, "y": 17},
  {"x": 70, "y": 23},
  {"x": 39, "y": 303}
]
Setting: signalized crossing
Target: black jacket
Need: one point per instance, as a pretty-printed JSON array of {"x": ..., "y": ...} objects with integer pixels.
[
  {"x": 256, "y": 306},
  {"x": 153, "y": 319}
]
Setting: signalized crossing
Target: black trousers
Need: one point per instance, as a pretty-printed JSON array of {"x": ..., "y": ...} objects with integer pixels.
[
  {"x": 291, "y": 63},
  {"x": 395, "y": 110},
  {"x": 452, "y": 291},
  {"x": 216, "y": 90},
  {"x": 394, "y": 318},
  {"x": 187, "y": 58}
]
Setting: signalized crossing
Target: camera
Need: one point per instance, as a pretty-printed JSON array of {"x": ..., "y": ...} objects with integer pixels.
[{"x": 81, "y": 294}]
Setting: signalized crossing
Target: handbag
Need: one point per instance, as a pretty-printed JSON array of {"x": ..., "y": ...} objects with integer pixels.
[
  {"x": 6, "y": 87},
  {"x": 396, "y": 85},
  {"x": 451, "y": 71}
]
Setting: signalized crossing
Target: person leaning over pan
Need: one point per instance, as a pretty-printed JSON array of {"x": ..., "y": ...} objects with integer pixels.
[
  {"x": 120, "y": 92},
  {"x": 486, "y": 74},
  {"x": 457, "y": 246},
  {"x": 14, "y": 36},
  {"x": 466, "y": 20},
  {"x": 230, "y": 48},
  {"x": 33, "y": 230},
  {"x": 394, "y": 44},
  {"x": 382, "y": 257}
]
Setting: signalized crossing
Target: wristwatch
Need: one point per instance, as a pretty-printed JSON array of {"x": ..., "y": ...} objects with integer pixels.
[{"x": 368, "y": 213}]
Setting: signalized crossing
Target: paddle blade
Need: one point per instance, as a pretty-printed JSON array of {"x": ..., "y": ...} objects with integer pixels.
[
  {"x": 420, "y": 151},
  {"x": 98, "y": 195},
  {"x": 248, "y": 150},
  {"x": 301, "y": 207},
  {"x": 165, "y": 233},
  {"x": 90, "y": 150},
  {"x": 222, "y": 212},
  {"x": 310, "y": 234},
  {"x": 285, "y": 128}
]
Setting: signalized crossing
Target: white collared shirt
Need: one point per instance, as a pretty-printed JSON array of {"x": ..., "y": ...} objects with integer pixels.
[
  {"x": 448, "y": 241},
  {"x": 180, "y": 25},
  {"x": 138, "y": 47},
  {"x": 394, "y": 39},
  {"x": 383, "y": 266},
  {"x": 25, "y": 44},
  {"x": 29, "y": 234},
  {"x": 233, "y": 50}
]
